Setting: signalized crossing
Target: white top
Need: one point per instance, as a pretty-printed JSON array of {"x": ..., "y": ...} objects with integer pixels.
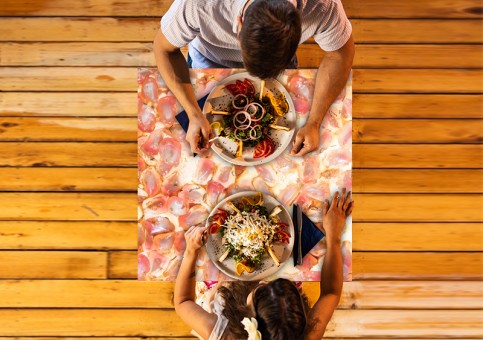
[
  {"x": 210, "y": 28},
  {"x": 212, "y": 302}
]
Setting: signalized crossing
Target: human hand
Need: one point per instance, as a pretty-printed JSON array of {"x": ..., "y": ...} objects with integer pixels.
[
  {"x": 199, "y": 133},
  {"x": 194, "y": 237},
  {"x": 307, "y": 140},
  {"x": 335, "y": 214}
]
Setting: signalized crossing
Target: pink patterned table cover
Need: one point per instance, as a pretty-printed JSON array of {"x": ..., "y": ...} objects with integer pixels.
[{"x": 177, "y": 190}]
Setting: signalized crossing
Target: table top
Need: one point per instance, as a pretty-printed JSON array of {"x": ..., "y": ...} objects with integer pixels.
[{"x": 177, "y": 190}]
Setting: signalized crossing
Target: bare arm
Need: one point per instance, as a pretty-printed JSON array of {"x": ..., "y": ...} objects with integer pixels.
[
  {"x": 331, "y": 276},
  {"x": 174, "y": 70},
  {"x": 184, "y": 291},
  {"x": 331, "y": 78}
]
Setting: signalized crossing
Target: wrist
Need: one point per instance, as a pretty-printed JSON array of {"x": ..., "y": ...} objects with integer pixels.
[
  {"x": 333, "y": 240},
  {"x": 313, "y": 123},
  {"x": 194, "y": 112},
  {"x": 191, "y": 253}
]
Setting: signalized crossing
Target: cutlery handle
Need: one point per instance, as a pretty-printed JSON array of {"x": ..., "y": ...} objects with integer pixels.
[{"x": 299, "y": 224}]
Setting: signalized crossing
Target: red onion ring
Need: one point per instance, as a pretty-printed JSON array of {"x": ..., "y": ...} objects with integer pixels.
[
  {"x": 238, "y": 96},
  {"x": 239, "y": 122},
  {"x": 254, "y": 129},
  {"x": 236, "y": 135},
  {"x": 254, "y": 111}
]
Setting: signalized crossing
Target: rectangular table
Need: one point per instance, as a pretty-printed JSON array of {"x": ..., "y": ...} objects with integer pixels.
[{"x": 177, "y": 190}]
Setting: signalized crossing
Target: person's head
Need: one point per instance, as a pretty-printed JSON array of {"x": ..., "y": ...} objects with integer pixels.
[
  {"x": 269, "y": 36},
  {"x": 280, "y": 310}
]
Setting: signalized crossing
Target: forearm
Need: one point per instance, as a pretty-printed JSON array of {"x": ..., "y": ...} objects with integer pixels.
[
  {"x": 185, "y": 282},
  {"x": 175, "y": 72},
  {"x": 331, "y": 78},
  {"x": 331, "y": 276}
]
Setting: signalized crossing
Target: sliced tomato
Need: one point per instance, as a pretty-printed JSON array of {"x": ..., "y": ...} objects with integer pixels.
[
  {"x": 260, "y": 149},
  {"x": 233, "y": 89},
  {"x": 250, "y": 87}
]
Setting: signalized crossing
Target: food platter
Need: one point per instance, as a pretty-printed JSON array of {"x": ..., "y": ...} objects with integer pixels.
[
  {"x": 220, "y": 99},
  {"x": 282, "y": 251}
]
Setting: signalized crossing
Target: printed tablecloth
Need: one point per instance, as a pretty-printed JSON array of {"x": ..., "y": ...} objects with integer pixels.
[{"x": 177, "y": 190}]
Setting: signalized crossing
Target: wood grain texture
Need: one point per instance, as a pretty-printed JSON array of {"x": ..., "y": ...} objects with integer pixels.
[
  {"x": 366, "y": 265},
  {"x": 125, "y": 179},
  {"x": 417, "y": 156},
  {"x": 146, "y": 322},
  {"x": 309, "y": 55},
  {"x": 353, "y": 8},
  {"x": 136, "y": 294},
  {"x": 125, "y": 129},
  {"x": 67, "y": 235},
  {"x": 416, "y": 266},
  {"x": 76, "y": 29},
  {"x": 393, "y": 106},
  {"x": 88, "y": 104},
  {"x": 68, "y": 206},
  {"x": 417, "y": 237},
  {"x": 71, "y": 154},
  {"x": 68, "y": 179},
  {"x": 124, "y": 79},
  {"x": 52, "y": 265},
  {"x": 418, "y": 208},
  {"x": 417, "y": 131},
  {"x": 417, "y": 181},
  {"x": 68, "y": 129}
]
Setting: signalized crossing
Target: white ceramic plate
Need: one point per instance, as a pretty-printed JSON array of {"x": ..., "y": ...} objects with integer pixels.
[
  {"x": 215, "y": 248},
  {"x": 220, "y": 98}
]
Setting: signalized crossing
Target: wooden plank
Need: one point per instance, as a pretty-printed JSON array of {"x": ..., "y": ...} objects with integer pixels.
[
  {"x": 68, "y": 206},
  {"x": 124, "y": 79},
  {"x": 146, "y": 322},
  {"x": 413, "y": 9},
  {"x": 419, "y": 266},
  {"x": 41, "y": 154},
  {"x": 417, "y": 131},
  {"x": 52, "y": 265},
  {"x": 417, "y": 81},
  {"x": 122, "y": 207},
  {"x": 71, "y": 154},
  {"x": 309, "y": 55},
  {"x": 417, "y": 31},
  {"x": 68, "y": 79},
  {"x": 67, "y": 235},
  {"x": 125, "y": 179},
  {"x": 418, "y": 208},
  {"x": 86, "y": 104},
  {"x": 68, "y": 179},
  {"x": 354, "y": 8},
  {"x": 366, "y": 265},
  {"x": 417, "y": 106},
  {"x": 417, "y": 181},
  {"x": 136, "y": 294},
  {"x": 401, "y": 56},
  {"x": 124, "y": 130},
  {"x": 408, "y": 31},
  {"x": 417, "y": 237},
  {"x": 68, "y": 129},
  {"x": 417, "y": 156},
  {"x": 107, "y": 104}
]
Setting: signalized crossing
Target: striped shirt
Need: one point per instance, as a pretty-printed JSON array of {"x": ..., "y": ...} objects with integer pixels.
[{"x": 210, "y": 28}]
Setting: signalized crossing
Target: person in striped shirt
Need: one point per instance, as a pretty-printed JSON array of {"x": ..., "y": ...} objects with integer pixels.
[{"x": 261, "y": 36}]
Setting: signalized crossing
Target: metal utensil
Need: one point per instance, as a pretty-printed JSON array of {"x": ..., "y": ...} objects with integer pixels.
[{"x": 299, "y": 243}]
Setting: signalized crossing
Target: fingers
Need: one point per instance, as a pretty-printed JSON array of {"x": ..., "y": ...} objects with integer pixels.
[
  {"x": 305, "y": 150},
  {"x": 347, "y": 201},
  {"x": 342, "y": 198},
  {"x": 206, "y": 135},
  {"x": 297, "y": 145},
  {"x": 349, "y": 208},
  {"x": 326, "y": 207},
  {"x": 335, "y": 200}
]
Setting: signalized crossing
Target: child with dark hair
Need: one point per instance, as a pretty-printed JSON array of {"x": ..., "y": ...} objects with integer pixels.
[{"x": 263, "y": 310}]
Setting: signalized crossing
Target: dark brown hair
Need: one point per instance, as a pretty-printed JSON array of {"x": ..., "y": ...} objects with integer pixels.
[
  {"x": 280, "y": 309},
  {"x": 269, "y": 37}
]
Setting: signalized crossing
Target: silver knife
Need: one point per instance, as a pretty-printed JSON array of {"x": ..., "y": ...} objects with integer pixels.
[{"x": 299, "y": 224}]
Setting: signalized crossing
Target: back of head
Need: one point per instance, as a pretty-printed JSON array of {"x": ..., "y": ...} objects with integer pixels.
[
  {"x": 269, "y": 37},
  {"x": 280, "y": 310}
]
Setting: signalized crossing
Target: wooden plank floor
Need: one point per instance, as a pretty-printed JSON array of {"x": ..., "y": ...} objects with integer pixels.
[{"x": 68, "y": 171}]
